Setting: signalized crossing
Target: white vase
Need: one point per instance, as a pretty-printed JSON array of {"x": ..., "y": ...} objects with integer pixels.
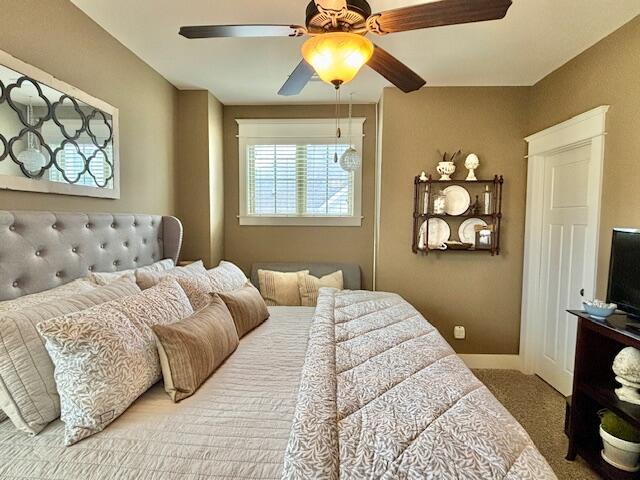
[
  {"x": 446, "y": 169},
  {"x": 620, "y": 453}
]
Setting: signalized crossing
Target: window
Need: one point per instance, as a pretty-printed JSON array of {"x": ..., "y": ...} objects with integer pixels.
[{"x": 288, "y": 173}]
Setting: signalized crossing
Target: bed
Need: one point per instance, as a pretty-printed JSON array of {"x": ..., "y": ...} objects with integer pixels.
[{"x": 360, "y": 387}]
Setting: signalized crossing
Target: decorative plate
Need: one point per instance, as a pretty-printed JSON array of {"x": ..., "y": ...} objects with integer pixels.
[
  {"x": 458, "y": 200},
  {"x": 439, "y": 233},
  {"x": 467, "y": 230}
]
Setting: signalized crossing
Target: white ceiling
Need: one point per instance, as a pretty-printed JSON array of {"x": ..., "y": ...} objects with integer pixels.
[{"x": 535, "y": 38}]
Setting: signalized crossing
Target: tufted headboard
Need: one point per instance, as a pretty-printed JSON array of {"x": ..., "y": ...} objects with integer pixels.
[{"x": 42, "y": 250}]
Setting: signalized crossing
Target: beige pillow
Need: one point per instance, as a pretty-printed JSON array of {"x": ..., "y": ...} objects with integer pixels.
[
  {"x": 106, "y": 356},
  {"x": 309, "y": 286},
  {"x": 280, "y": 288},
  {"x": 192, "y": 349},
  {"x": 147, "y": 279},
  {"x": 28, "y": 393},
  {"x": 247, "y": 308}
]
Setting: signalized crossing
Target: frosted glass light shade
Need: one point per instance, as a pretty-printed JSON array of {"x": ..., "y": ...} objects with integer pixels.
[
  {"x": 337, "y": 57},
  {"x": 350, "y": 160}
]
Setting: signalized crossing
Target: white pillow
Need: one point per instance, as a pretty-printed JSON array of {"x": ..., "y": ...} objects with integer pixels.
[
  {"x": 75, "y": 287},
  {"x": 147, "y": 279},
  {"x": 106, "y": 356},
  {"x": 226, "y": 277},
  {"x": 27, "y": 387},
  {"x": 104, "y": 278}
]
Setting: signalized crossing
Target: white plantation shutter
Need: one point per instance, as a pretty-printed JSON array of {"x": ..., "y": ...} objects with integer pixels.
[{"x": 288, "y": 174}]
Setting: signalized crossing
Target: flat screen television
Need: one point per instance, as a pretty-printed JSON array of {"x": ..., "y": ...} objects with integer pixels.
[{"x": 624, "y": 271}]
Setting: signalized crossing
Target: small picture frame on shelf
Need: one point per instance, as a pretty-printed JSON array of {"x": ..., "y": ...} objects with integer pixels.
[{"x": 484, "y": 237}]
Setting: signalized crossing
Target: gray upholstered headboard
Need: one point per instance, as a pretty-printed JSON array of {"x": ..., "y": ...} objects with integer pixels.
[
  {"x": 42, "y": 250},
  {"x": 350, "y": 272}
]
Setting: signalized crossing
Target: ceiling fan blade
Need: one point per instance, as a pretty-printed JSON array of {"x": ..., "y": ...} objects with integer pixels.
[
  {"x": 297, "y": 80},
  {"x": 395, "y": 71},
  {"x": 438, "y": 14},
  {"x": 221, "y": 31}
]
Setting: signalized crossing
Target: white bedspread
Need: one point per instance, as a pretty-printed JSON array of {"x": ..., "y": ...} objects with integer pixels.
[
  {"x": 235, "y": 427},
  {"x": 383, "y": 396}
]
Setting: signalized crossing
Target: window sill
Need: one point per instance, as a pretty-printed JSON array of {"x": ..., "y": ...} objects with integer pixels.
[{"x": 300, "y": 221}]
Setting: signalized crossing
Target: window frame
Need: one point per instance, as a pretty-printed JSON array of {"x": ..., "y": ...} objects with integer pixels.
[{"x": 283, "y": 131}]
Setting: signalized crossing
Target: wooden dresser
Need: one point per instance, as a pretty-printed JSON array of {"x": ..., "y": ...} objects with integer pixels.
[{"x": 594, "y": 382}]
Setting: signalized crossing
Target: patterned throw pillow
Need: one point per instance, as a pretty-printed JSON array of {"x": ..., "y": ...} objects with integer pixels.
[
  {"x": 226, "y": 277},
  {"x": 105, "y": 278},
  {"x": 117, "y": 342},
  {"x": 28, "y": 392},
  {"x": 247, "y": 308},
  {"x": 309, "y": 286},
  {"x": 147, "y": 279},
  {"x": 280, "y": 288},
  {"x": 75, "y": 287},
  {"x": 192, "y": 349}
]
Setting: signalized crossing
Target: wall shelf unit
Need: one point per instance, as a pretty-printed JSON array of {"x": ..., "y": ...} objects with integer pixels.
[{"x": 425, "y": 193}]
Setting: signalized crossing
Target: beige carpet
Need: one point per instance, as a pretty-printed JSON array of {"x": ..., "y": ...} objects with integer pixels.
[{"x": 540, "y": 410}]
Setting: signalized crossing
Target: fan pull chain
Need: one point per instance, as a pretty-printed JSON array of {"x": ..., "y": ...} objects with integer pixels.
[
  {"x": 350, "y": 119},
  {"x": 338, "y": 131}
]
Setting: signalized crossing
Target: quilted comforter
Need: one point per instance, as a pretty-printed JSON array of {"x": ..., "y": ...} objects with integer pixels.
[{"x": 384, "y": 396}]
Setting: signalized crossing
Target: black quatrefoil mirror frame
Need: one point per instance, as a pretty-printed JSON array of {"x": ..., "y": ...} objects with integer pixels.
[{"x": 53, "y": 137}]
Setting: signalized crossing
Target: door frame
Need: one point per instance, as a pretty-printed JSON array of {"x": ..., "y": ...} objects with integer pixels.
[{"x": 585, "y": 129}]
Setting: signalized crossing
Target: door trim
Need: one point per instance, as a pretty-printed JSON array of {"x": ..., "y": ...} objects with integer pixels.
[{"x": 585, "y": 129}]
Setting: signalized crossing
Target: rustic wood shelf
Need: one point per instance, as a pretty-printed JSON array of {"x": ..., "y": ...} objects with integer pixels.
[
  {"x": 598, "y": 342},
  {"x": 424, "y": 193}
]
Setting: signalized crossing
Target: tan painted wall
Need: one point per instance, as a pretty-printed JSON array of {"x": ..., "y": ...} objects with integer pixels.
[
  {"x": 199, "y": 179},
  {"x": 216, "y": 179},
  {"x": 471, "y": 289},
  {"x": 247, "y": 244},
  {"x": 606, "y": 74},
  {"x": 73, "y": 48}
]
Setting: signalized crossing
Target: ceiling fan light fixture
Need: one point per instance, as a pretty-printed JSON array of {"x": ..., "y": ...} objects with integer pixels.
[{"x": 337, "y": 57}]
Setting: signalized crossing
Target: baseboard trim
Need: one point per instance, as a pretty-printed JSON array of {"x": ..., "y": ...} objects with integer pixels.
[{"x": 498, "y": 362}]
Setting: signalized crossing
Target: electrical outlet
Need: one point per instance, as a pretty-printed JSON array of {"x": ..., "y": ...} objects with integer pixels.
[{"x": 459, "y": 333}]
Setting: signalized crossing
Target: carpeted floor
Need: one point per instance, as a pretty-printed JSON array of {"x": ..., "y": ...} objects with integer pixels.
[{"x": 540, "y": 410}]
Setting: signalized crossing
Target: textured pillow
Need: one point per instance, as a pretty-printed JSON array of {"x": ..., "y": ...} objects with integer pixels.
[
  {"x": 28, "y": 392},
  {"x": 192, "y": 349},
  {"x": 104, "y": 278},
  {"x": 72, "y": 288},
  {"x": 198, "y": 289},
  {"x": 308, "y": 285},
  {"x": 247, "y": 308},
  {"x": 106, "y": 356},
  {"x": 3, "y": 416},
  {"x": 225, "y": 277},
  {"x": 147, "y": 279},
  {"x": 280, "y": 288}
]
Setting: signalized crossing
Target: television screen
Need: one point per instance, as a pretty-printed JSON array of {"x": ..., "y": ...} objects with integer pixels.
[{"x": 624, "y": 271}]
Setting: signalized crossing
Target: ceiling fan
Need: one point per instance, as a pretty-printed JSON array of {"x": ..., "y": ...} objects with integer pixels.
[{"x": 338, "y": 47}]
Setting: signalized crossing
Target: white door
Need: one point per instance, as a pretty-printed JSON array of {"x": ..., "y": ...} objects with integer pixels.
[
  {"x": 564, "y": 186},
  {"x": 564, "y": 252}
]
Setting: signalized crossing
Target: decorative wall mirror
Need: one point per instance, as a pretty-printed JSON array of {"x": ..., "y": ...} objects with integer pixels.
[{"x": 53, "y": 137}]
